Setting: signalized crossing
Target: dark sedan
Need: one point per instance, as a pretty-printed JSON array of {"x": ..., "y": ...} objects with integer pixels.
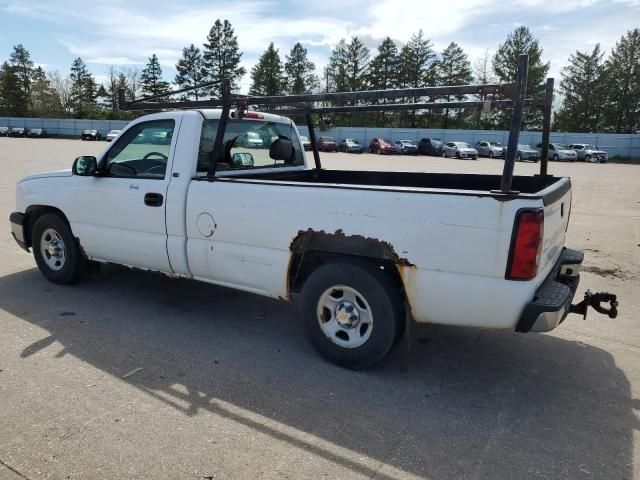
[
  {"x": 327, "y": 144},
  {"x": 430, "y": 146},
  {"x": 91, "y": 135},
  {"x": 17, "y": 132},
  {"x": 350, "y": 145},
  {"x": 37, "y": 133}
]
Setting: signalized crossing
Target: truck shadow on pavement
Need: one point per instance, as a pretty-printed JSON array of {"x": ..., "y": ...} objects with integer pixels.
[{"x": 471, "y": 404}]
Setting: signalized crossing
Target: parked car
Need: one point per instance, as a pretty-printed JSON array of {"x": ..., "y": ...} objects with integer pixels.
[
  {"x": 350, "y": 145},
  {"x": 559, "y": 152},
  {"x": 406, "y": 147},
  {"x": 527, "y": 152},
  {"x": 489, "y": 149},
  {"x": 382, "y": 146},
  {"x": 459, "y": 150},
  {"x": 90, "y": 135},
  {"x": 112, "y": 134},
  {"x": 306, "y": 143},
  {"x": 17, "y": 132},
  {"x": 37, "y": 133},
  {"x": 327, "y": 144},
  {"x": 4, "y": 131},
  {"x": 589, "y": 153},
  {"x": 161, "y": 137},
  {"x": 355, "y": 256},
  {"x": 250, "y": 140},
  {"x": 430, "y": 146}
]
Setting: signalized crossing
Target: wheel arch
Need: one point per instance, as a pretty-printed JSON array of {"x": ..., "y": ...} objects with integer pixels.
[
  {"x": 311, "y": 249},
  {"x": 33, "y": 212}
]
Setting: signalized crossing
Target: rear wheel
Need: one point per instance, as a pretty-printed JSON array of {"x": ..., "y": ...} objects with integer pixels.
[
  {"x": 587, "y": 158},
  {"x": 556, "y": 158},
  {"x": 444, "y": 154},
  {"x": 519, "y": 158},
  {"x": 352, "y": 313},
  {"x": 490, "y": 154},
  {"x": 56, "y": 250}
]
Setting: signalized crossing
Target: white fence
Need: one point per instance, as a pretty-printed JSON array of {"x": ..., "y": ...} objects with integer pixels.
[{"x": 624, "y": 145}]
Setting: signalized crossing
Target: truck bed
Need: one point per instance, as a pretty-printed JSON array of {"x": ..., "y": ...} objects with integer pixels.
[{"x": 471, "y": 184}]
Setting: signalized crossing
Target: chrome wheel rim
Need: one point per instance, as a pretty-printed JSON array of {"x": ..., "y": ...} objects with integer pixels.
[
  {"x": 52, "y": 249},
  {"x": 344, "y": 316}
]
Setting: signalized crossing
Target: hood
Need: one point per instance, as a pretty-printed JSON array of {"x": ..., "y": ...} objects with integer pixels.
[
  {"x": 595, "y": 151},
  {"x": 57, "y": 173},
  {"x": 567, "y": 152}
]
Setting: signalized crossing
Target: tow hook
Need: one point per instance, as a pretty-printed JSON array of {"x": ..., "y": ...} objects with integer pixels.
[{"x": 594, "y": 300}]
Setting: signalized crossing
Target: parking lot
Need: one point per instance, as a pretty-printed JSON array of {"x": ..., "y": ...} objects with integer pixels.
[{"x": 136, "y": 375}]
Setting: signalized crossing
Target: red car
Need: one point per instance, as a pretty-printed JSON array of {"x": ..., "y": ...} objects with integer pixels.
[
  {"x": 382, "y": 146},
  {"x": 327, "y": 144}
]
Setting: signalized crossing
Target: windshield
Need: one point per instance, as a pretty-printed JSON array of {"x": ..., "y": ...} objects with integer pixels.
[
  {"x": 495, "y": 144},
  {"x": 303, "y": 138},
  {"x": 114, "y": 132},
  {"x": 239, "y": 130},
  {"x": 327, "y": 139},
  {"x": 524, "y": 147},
  {"x": 560, "y": 146},
  {"x": 351, "y": 141},
  {"x": 590, "y": 147},
  {"x": 462, "y": 145}
]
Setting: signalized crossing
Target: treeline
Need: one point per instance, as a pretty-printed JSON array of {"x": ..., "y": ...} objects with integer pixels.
[{"x": 597, "y": 92}]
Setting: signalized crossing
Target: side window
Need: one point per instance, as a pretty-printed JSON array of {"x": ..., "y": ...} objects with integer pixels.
[{"x": 142, "y": 151}]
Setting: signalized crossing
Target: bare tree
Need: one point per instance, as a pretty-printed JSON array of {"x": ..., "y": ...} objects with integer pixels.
[{"x": 61, "y": 85}]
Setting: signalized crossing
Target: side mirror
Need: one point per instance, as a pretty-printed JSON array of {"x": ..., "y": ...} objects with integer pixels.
[
  {"x": 85, "y": 166},
  {"x": 242, "y": 160}
]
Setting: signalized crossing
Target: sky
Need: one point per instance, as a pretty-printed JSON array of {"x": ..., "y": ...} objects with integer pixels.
[{"x": 126, "y": 32}]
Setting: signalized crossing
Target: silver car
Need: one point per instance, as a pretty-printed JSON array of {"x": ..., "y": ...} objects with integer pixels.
[
  {"x": 489, "y": 149},
  {"x": 589, "y": 153},
  {"x": 459, "y": 150},
  {"x": 559, "y": 152},
  {"x": 526, "y": 152}
]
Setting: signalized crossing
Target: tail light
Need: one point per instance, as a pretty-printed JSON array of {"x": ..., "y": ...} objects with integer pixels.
[
  {"x": 254, "y": 115},
  {"x": 526, "y": 245}
]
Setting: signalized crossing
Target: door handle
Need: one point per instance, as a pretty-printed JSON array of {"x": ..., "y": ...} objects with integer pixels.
[{"x": 153, "y": 199}]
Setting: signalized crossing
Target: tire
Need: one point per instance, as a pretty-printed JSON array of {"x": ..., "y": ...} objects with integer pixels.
[
  {"x": 519, "y": 158},
  {"x": 444, "y": 154},
  {"x": 556, "y": 158},
  {"x": 343, "y": 288},
  {"x": 56, "y": 250},
  {"x": 379, "y": 152},
  {"x": 490, "y": 154},
  {"x": 587, "y": 158},
  {"x": 458, "y": 155}
]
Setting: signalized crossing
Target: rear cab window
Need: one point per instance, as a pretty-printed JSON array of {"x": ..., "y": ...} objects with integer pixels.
[{"x": 247, "y": 144}]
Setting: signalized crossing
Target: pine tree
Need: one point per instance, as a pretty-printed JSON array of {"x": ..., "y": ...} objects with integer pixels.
[
  {"x": 622, "y": 107},
  {"x": 417, "y": 68},
  {"x": 383, "y": 70},
  {"x": 151, "y": 78},
  {"x": 505, "y": 65},
  {"x": 191, "y": 71},
  {"x": 20, "y": 60},
  {"x": 266, "y": 76},
  {"x": 383, "y": 74},
  {"x": 582, "y": 88},
  {"x": 13, "y": 102},
  {"x": 222, "y": 56},
  {"x": 453, "y": 68},
  {"x": 336, "y": 69},
  {"x": 43, "y": 99},
  {"x": 83, "y": 89},
  {"x": 300, "y": 71}
]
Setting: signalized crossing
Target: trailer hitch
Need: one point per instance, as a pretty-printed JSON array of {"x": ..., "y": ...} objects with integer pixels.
[{"x": 594, "y": 300}]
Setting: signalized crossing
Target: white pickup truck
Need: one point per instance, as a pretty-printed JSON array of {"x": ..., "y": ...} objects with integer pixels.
[{"x": 364, "y": 249}]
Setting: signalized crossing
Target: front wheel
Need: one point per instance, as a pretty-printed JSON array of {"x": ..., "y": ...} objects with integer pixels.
[
  {"x": 56, "y": 250},
  {"x": 444, "y": 154},
  {"x": 556, "y": 158},
  {"x": 352, "y": 312}
]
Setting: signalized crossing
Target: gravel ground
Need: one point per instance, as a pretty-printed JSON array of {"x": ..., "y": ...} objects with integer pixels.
[{"x": 134, "y": 375}]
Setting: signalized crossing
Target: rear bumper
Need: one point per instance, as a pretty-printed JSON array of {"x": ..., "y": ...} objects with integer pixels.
[
  {"x": 552, "y": 301},
  {"x": 18, "y": 221}
]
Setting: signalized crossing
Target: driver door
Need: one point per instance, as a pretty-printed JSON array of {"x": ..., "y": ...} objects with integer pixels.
[{"x": 120, "y": 213}]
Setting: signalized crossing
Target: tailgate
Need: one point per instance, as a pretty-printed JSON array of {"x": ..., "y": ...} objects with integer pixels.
[{"x": 557, "y": 208}]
